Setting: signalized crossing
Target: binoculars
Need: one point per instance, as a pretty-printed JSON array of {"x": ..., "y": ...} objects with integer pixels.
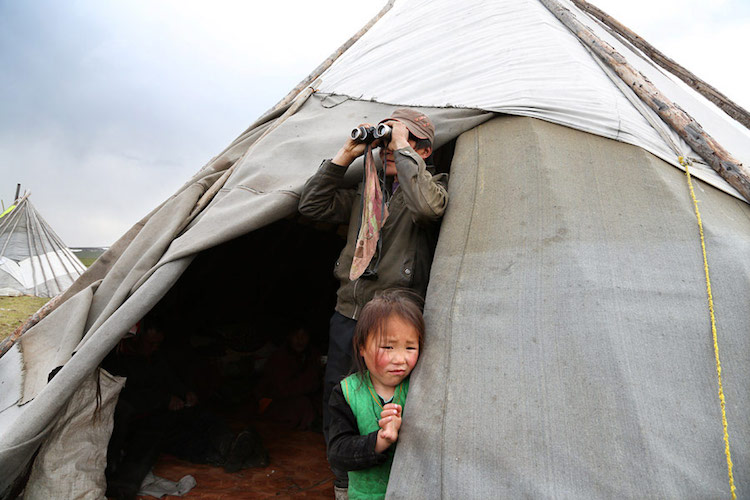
[{"x": 370, "y": 134}]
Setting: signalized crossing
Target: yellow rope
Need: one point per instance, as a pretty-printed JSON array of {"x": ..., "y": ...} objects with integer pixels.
[{"x": 684, "y": 162}]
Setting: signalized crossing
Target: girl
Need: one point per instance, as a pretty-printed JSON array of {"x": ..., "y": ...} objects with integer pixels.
[{"x": 366, "y": 406}]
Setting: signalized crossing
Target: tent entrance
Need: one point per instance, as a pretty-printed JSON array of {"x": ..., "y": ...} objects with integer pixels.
[
  {"x": 232, "y": 326},
  {"x": 228, "y": 325}
]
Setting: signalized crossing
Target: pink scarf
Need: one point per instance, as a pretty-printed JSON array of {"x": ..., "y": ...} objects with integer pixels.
[{"x": 374, "y": 214}]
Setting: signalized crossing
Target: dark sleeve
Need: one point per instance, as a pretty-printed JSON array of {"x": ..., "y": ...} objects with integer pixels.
[
  {"x": 324, "y": 197},
  {"x": 347, "y": 450},
  {"x": 426, "y": 195}
]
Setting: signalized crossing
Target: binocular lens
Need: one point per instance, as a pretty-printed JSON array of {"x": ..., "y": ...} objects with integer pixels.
[
  {"x": 369, "y": 134},
  {"x": 360, "y": 134},
  {"x": 383, "y": 131}
]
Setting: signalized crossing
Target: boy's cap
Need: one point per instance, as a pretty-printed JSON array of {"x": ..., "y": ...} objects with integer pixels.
[{"x": 416, "y": 121}]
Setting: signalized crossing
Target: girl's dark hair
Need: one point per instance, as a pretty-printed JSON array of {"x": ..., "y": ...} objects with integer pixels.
[{"x": 401, "y": 302}]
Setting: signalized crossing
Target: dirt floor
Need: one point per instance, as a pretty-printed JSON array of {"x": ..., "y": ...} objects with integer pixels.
[{"x": 298, "y": 469}]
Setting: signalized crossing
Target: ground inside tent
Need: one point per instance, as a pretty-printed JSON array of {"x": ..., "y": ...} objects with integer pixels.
[{"x": 298, "y": 469}]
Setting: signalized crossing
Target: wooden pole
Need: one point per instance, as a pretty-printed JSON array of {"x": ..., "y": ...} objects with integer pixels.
[
  {"x": 18, "y": 191},
  {"x": 329, "y": 61},
  {"x": 723, "y": 102},
  {"x": 736, "y": 174}
]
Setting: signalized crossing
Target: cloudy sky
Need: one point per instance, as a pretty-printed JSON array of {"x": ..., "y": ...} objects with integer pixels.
[{"x": 108, "y": 106}]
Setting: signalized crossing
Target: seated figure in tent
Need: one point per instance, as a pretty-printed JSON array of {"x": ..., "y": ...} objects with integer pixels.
[
  {"x": 157, "y": 413},
  {"x": 393, "y": 218},
  {"x": 289, "y": 390}
]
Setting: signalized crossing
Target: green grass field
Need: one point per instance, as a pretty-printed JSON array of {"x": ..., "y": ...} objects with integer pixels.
[{"x": 14, "y": 311}]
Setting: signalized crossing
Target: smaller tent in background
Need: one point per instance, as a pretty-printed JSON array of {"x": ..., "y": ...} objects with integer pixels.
[{"x": 33, "y": 259}]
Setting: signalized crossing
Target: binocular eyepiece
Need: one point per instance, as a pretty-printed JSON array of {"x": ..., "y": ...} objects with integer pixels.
[{"x": 370, "y": 134}]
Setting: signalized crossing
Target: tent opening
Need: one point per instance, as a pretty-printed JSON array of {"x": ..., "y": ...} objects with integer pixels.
[
  {"x": 244, "y": 333},
  {"x": 231, "y": 337}
]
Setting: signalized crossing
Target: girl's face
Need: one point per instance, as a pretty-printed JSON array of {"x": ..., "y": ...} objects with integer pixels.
[{"x": 391, "y": 359}]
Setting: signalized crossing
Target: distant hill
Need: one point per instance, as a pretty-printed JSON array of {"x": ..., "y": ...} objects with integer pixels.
[{"x": 88, "y": 254}]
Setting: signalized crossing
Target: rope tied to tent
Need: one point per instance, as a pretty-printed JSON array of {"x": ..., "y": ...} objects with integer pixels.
[{"x": 685, "y": 162}]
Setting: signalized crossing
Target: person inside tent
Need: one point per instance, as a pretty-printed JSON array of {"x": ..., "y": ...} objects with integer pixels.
[
  {"x": 290, "y": 386},
  {"x": 393, "y": 218},
  {"x": 157, "y": 413}
]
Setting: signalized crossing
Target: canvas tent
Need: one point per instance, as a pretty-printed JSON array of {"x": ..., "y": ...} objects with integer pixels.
[
  {"x": 569, "y": 352},
  {"x": 33, "y": 258}
]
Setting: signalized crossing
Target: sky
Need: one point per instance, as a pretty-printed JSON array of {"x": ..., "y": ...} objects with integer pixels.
[{"x": 109, "y": 106}]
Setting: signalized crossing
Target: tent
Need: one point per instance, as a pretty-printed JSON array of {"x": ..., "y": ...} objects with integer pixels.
[
  {"x": 571, "y": 349},
  {"x": 33, "y": 259}
]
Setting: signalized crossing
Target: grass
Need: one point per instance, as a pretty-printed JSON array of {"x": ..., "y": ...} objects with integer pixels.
[{"x": 14, "y": 311}]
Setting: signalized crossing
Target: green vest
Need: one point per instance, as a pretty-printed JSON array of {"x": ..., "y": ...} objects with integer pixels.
[{"x": 365, "y": 404}]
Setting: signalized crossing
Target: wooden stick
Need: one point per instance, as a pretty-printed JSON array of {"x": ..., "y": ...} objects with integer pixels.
[
  {"x": 723, "y": 102},
  {"x": 736, "y": 174},
  {"x": 330, "y": 60}
]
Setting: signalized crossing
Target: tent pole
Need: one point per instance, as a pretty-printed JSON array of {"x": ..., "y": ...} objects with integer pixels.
[
  {"x": 32, "y": 252},
  {"x": 328, "y": 62},
  {"x": 731, "y": 170},
  {"x": 706, "y": 90},
  {"x": 18, "y": 191},
  {"x": 40, "y": 230}
]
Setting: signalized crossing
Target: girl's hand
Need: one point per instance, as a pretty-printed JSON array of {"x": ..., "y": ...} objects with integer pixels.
[
  {"x": 388, "y": 410},
  {"x": 390, "y": 424}
]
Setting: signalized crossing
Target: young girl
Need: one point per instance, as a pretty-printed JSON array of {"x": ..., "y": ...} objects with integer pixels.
[{"x": 366, "y": 406}]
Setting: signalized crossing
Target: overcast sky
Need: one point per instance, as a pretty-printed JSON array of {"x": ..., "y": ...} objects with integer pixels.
[{"x": 109, "y": 106}]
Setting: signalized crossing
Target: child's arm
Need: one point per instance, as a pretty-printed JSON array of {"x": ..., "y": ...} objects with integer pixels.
[
  {"x": 390, "y": 424},
  {"x": 347, "y": 449}
]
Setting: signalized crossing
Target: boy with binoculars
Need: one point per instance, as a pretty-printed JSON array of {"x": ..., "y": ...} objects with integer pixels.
[{"x": 393, "y": 218}]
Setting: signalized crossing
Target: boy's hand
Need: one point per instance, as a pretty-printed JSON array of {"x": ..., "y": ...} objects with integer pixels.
[
  {"x": 350, "y": 151},
  {"x": 399, "y": 135},
  {"x": 390, "y": 424}
]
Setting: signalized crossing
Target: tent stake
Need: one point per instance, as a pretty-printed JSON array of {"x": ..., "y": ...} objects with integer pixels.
[
  {"x": 736, "y": 174},
  {"x": 706, "y": 90}
]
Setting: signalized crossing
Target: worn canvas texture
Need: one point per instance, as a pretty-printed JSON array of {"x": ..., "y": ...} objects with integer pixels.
[
  {"x": 515, "y": 57},
  {"x": 71, "y": 462},
  {"x": 568, "y": 350}
]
